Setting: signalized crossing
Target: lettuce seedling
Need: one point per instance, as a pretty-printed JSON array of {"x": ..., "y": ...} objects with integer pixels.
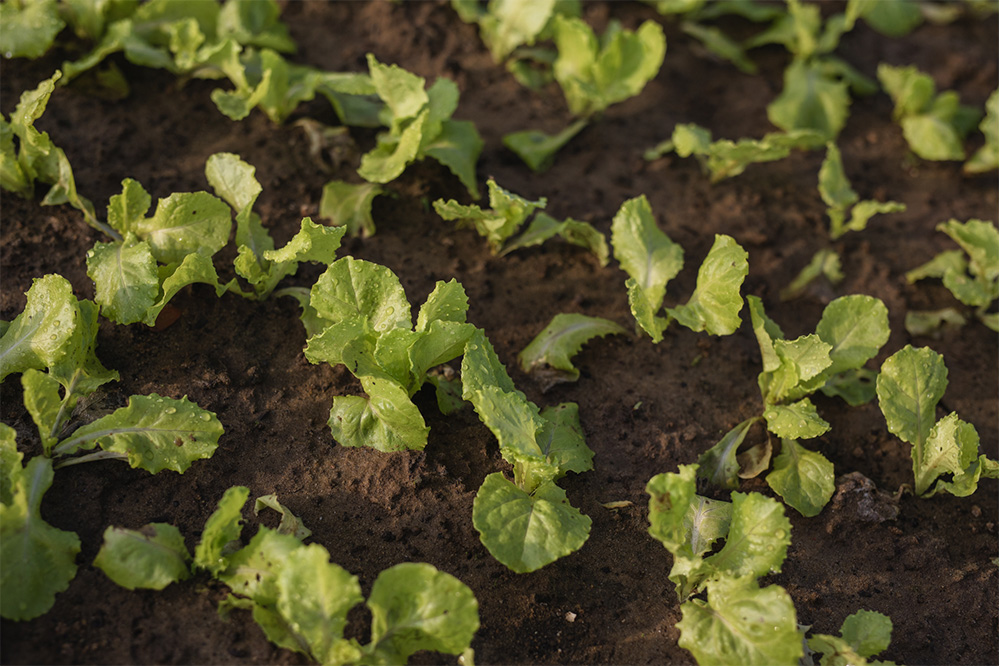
[
  {"x": 362, "y": 320},
  {"x": 724, "y": 158},
  {"x": 549, "y": 355},
  {"x": 815, "y": 94},
  {"x": 505, "y": 25},
  {"x": 420, "y": 125},
  {"x": 528, "y": 523},
  {"x": 507, "y": 214},
  {"x": 726, "y": 618},
  {"x": 298, "y": 597},
  {"x": 36, "y": 158},
  {"x": 934, "y": 125},
  {"x": 987, "y": 158},
  {"x": 651, "y": 260},
  {"x": 841, "y": 200},
  {"x": 28, "y": 29},
  {"x": 849, "y": 334},
  {"x": 971, "y": 277},
  {"x": 57, "y": 333},
  {"x": 909, "y": 386}
]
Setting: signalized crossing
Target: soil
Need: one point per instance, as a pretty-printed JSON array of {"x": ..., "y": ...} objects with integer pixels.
[{"x": 645, "y": 408}]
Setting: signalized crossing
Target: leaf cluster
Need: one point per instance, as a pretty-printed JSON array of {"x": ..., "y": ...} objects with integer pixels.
[
  {"x": 934, "y": 125},
  {"x": 849, "y": 334},
  {"x": 651, "y": 260},
  {"x": 298, "y": 597},
  {"x": 507, "y": 214},
  {"x": 970, "y": 274},
  {"x": 57, "y": 333},
  {"x": 909, "y": 386},
  {"x": 726, "y": 617}
]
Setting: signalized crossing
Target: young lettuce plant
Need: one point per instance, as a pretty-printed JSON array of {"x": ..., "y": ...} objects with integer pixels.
[
  {"x": 298, "y": 597},
  {"x": 971, "y": 277},
  {"x": 651, "y": 260},
  {"x": 358, "y": 316},
  {"x": 528, "y": 523},
  {"x": 987, "y": 158},
  {"x": 57, "y": 333},
  {"x": 420, "y": 125},
  {"x": 816, "y": 83},
  {"x": 507, "y": 214},
  {"x": 934, "y": 125},
  {"x": 841, "y": 200},
  {"x": 36, "y": 158},
  {"x": 258, "y": 262},
  {"x": 549, "y": 356},
  {"x": 506, "y": 25},
  {"x": 724, "y": 158},
  {"x": 849, "y": 334},
  {"x": 593, "y": 74},
  {"x": 726, "y": 617},
  {"x": 909, "y": 386}
]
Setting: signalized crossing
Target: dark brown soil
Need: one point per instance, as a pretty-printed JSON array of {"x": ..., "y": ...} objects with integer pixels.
[{"x": 645, "y": 408}]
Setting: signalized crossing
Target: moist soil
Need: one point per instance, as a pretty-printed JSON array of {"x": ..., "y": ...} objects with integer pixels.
[{"x": 645, "y": 408}]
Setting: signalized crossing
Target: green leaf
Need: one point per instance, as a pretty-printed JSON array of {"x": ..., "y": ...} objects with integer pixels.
[
  {"x": 987, "y": 158},
  {"x": 511, "y": 23},
  {"x": 544, "y": 227},
  {"x": 43, "y": 402},
  {"x": 716, "y": 303},
  {"x": 526, "y": 532},
  {"x": 127, "y": 209},
  {"x": 196, "y": 268},
  {"x": 38, "y": 559},
  {"x": 538, "y": 149},
  {"x": 416, "y": 607},
  {"x": 152, "y": 432},
  {"x": 980, "y": 241},
  {"x": 457, "y": 146},
  {"x": 402, "y": 91},
  {"x": 550, "y": 352},
  {"x": 39, "y": 337},
  {"x": 290, "y": 523},
  {"x": 868, "y": 632},
  {"x": 505, "y": 216},
  {"x": 649, "y": 257},
  {"x": 803, "y": 478},
  {"x": 28, "y": 29},
  {"x": 596, "y": 75},
  {"x": 855, "y": 387},
  {"x": 707, "y": 521},
  {"x": 811, "y": 99},
  {"x": 952, "y": 447},
  {"x": 350, "y": 206},
  {"x": 186, "y": 222},
  {"x": 893, "y": 18},
  {"x": 826, "y": 263},
  {"x": 393, "y": 154},
  {"x": 386, "y": 420},
  {"x": 562, "y": 441},
  {"x": 758, "y": 538},
  {"x": 255, "y": 24},
  {"x": 125, "y": 278},
  {"x": 313, "y": 242},
  {"x": 855, "y": 327},
  {"x": 670, "y": 499},
  {"x": 149, "y": 558},
  {"x": 10, "y": 463},
  {"x": 909, "y": 386},
  {"x": 767, "y": 333},
  {"x": 718, "y": 465},
  {"x": 221, "y": 529},
  {"x": 252, "y": 571},
  {"x": 798, "y": 420},
  {"x": 741, "y": 624},
  {"x": 314, "y": 596},
  {"x": 233, "y": 179},
  {"x": 800, "y": 371},
  {"x": 719, "y": 44},
  {"x": 352, "y": 288},
  {"x": 448, "y": 302}
]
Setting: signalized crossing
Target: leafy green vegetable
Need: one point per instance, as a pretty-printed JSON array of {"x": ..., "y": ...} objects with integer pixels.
[
  {"x": 724, "y": 158},
  {"x": 841, "y": 198},
  {"x": 505, "y": 25},
  {"x": 934, "y": 125},
  {"x": 651, "y": 260},
  {"x": 549, "y": 354},
  {"x": 350, "y": 206},
  {"x": 38, "y": 559},
  {"x": 298, "y": 597},
  {"x": 507, "y": 214},
  {"x": 537, "y": 148},
  {"x": 420, "y": 125},
  {"x": 528, "y": 523},
  {"x": 849, "y": 334},
  {"x": 36, "y": 157},
  {"x": 366, "y": 325},
  {"x": 894, "y": 18},
  {"x": 28, "y": 28},
  {"x": 909, "y": 386},
  {"x": 971, "y": 277},
  {"x": 862, "y": 635},
  {"x": 987, "y": 158},
  {"x": 596, "y": 73}
]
